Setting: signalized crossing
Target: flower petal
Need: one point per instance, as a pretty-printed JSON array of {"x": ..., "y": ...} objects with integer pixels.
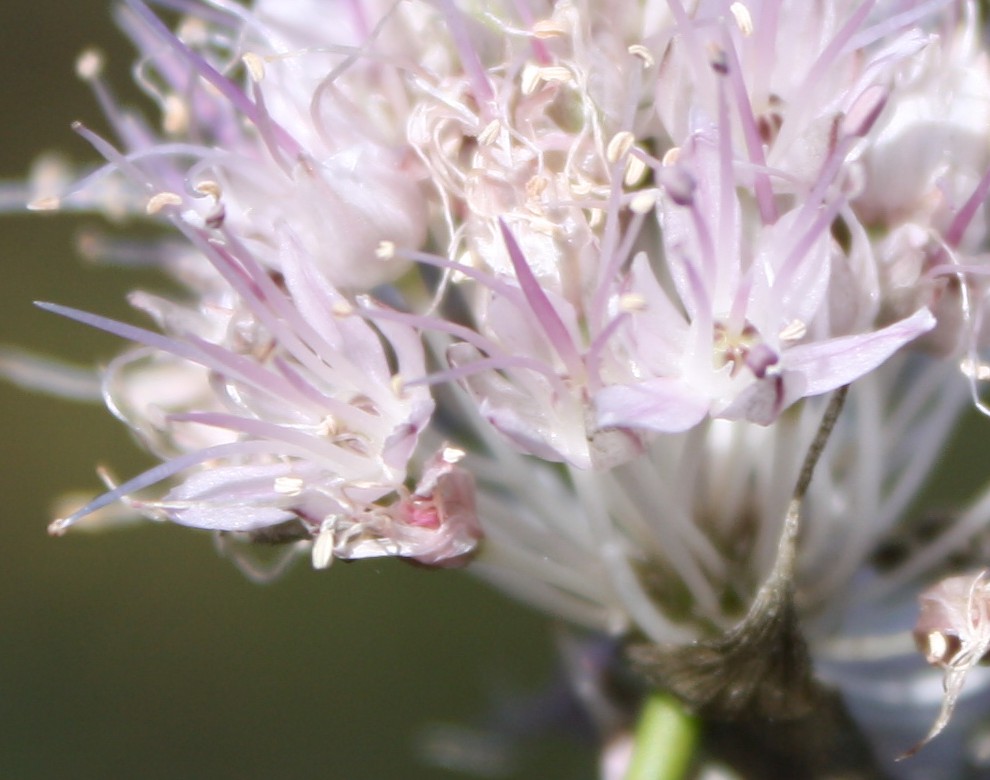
[
  {"x": 827, "y": 365},
  {"x": 663, "y": 404}
]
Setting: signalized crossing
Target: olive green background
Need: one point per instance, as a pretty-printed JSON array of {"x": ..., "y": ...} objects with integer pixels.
[{"x": 142, "y": 654}]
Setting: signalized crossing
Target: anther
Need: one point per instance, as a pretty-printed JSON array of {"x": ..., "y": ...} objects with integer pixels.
[
  {"x": 632, "y": 303},
  {"x": 635, "y": 169},
  {"x": 288, "y": 486},
  {"x": 324, "y": 545},
  {"x": 793, "y": 331},
  {"x": 640, "y": 51},
  {"x": 385, "y": 250},
  {"x": 548, "y": 28},
  {"x": 47, "y": 203},
  {"x": 255, "y": 66},
  {"x": 491, "y": 132},
  {"x": 643, "y": 202},
  {"x": 157, "y": 202},
  {"x": 452, "y": 455},
  {"x": 743, "y": 19},
  {"x": 175, "y": 115},
  {"x": 619, "y": 146},
  {"x": 210, "y": 188},
  {"x": 89, "y": 66}
]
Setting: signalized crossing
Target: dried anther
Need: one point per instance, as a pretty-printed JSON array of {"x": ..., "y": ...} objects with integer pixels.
[{"x": 953, "y": 633}]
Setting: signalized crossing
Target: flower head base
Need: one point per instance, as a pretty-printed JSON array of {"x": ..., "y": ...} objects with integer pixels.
[{"x": 575, "y": 278}]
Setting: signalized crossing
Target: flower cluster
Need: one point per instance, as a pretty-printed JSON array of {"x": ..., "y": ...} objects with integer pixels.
[{"x": 560, "y": 291}]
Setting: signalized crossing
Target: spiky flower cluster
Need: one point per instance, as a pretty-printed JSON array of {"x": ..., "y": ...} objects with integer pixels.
[{"x": 559, "y": 291}]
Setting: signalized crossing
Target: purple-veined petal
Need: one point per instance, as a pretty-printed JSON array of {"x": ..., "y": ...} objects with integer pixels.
[{"x": 830, "y": 364}]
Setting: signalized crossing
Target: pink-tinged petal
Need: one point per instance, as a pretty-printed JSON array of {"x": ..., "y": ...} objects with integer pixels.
[
  {"x": 836, "y": 362},
  {"x": 963, "y": 219},
  {"x": 223, "y": 361},
  {"x": 444, "y": 503},
  {"x": 436, "y": 526},
  {"x": 168, "y": 469},
  {"x": 792, "y": 271},
  {"x": 659, "y": 332},
  {"x": 527, "y": 411},
  {"x": 398, "y": 447},
  {"x": 664, "y": 404},
  {"x": 228, "y": 498},
  {"x": 230, "y": 517},
  {"x": 763, "y": 400}
]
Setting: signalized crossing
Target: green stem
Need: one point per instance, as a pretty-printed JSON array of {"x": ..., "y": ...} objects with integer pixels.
[{"x": 666, "y": 736}]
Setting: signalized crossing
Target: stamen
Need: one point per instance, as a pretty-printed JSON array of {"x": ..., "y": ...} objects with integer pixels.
[
  {"x": 255, "y": 66},
  {"x": 89, "y": 66},
  {"x": 641, "y": 52},
  {"x": 157, "y": 202},
  {"x": 546, "y": 29},
  {"x": 744, "y": 21}
]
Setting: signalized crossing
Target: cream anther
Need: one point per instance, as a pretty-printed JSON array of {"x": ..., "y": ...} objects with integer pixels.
[
  {"x": 324, "y": 545},
  {"x": 632, "y": 303},
  {"x": 175, "y": 115},
  {"x": 59, "y": 527},
  {"x": 491, "y": 132},
  {"x": 328, "y": 426},
  {"x": 974, "y": 369},
  {"x": 255, "y": 66},
  {"x": 743, "y": 18},
  {"x": 635, "y": 169},
  {"x": 548, "y": 28},
  {"x": 529, "y": 79},
  {"x": 938, "y": 648},
  {"x": 643, "y": 202},
  {"x": 288, "y": 486},
  {"x": 452, "y": 455},
  {"x": 210, "y": 188},
  {"x": 89, "y": 66},
  {"x": 556, "y": 74},
  {"x": 640, "y": 51},
  {"x": 193, "y": 31},
  {"x": 795, "y": 330},
  {"x": 385, "y": 250},
  {"x": 582, "y": 187},
  {"x": 157, "y": 202},
  {"x": 536, "y": 186},
  {"x": 619, "y": 146},
  {"x": 47, "y": 203}
]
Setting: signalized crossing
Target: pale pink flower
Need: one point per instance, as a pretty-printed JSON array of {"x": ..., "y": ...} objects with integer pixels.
[
  {"x": 571, "y": 278},
  {"x": 272, "y": 398}
]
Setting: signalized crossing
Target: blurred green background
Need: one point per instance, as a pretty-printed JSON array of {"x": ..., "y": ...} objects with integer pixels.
[{"x": 141, "y": 653}]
